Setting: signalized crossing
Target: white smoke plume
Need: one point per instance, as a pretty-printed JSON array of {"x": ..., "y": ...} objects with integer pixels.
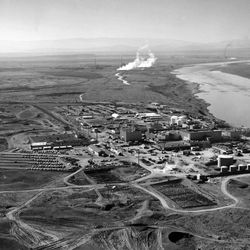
[{"x": 144, "y": 59}]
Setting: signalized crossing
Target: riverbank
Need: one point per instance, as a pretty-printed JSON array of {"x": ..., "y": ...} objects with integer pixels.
[{"x": 227, "y": 94}]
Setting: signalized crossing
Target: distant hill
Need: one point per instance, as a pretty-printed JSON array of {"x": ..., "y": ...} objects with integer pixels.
[{"x": 111, "y": 45}]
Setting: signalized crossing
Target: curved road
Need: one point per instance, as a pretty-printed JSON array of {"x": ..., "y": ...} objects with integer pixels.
[
  {"x": 13, "y": 215},
  {"x": 223, "y": 189}
]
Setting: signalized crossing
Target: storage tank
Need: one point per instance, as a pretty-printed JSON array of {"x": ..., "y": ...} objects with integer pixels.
[
  {"x": 173, "y": 119},
  {"x": 224, "y": 169},
  {"x": 182, "y": 119},
  {"x": 233, "y": 168},
  {"x": 242, "y": 167},
  {"x": 248, "y": 167},
  {"x": 179, "y": 122},
  {"x": 225, "y": 160}
]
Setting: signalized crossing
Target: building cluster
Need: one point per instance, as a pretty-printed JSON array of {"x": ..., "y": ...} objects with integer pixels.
[
  {"x": 227, "y": 164},
  {"x": 109, "y": 130},
  {"x": 171, "y": 139},
  {"x": 57, "y": 141}
]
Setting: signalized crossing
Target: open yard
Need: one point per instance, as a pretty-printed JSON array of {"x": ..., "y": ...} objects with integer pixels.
[
  {"x": 26, "y": 179},
  {"x": 182, "y": 195},
  {"x": 116, "y": 174}
]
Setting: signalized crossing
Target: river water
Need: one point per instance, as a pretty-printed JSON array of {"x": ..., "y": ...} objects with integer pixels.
[{"x": 227, "y": 94}]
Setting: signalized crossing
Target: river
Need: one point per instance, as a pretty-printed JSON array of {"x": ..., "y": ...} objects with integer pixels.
[{"x": 227, "y": 94}]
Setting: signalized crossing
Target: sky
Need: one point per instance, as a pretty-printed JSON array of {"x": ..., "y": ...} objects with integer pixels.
[{"x": 188, "y": 20}]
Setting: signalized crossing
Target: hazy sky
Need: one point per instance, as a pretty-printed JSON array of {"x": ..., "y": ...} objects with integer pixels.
[{"x": 191, "y": 20}]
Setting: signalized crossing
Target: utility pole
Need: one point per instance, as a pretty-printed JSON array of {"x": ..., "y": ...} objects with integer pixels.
[
  {"x": 138, "y": 156},
  {"x": 121, "y": 61},
  {"x": 88, "y": 132},
  {"x": 96, "y": 135},
  {"x": 95, "y": 62}
]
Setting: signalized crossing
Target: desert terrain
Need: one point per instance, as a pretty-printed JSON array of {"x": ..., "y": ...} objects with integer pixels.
[{"x": 126, "y": 206}]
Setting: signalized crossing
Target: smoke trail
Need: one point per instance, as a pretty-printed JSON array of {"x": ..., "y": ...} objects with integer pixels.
[{"x": 141, "y": 61}]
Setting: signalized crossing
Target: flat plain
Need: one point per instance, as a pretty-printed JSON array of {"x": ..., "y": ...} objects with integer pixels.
[{"x": 109, "y": 210}]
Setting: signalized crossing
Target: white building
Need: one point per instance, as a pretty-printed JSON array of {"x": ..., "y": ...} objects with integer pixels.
[{"x": 178, "y": 120}]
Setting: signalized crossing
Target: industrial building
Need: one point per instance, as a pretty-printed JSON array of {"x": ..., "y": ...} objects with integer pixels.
[
  {"x": 232, "y": 134},
  {"x": 163, "y": 136},
  {"x": 200, "y": 135},
  {"x": 178, "y": 120},
  {"x": 130, "y": 134},
  {"x": 225, "y": 160},
  {"x": 155, "y": 127},
  {"x": 149, "y": 116},
  {"x": 56, "y": 141},
  {"x": 174, "y": 145},
  {"x": 98, "y": 151}
]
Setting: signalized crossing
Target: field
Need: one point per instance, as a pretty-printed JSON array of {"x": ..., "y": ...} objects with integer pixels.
[
  {"x": 182, "y": 195},
  {"x": 79, "y": 179},
  {"x": 216, "y": 230},
  {"x": 214, "y": 191},
  {"x": 240, "y": 188},
  {"x": 136, "y": 238},
  {"x": 13, "y": 199},
  {"x": 37, "y": 79},
  {"x": 26, "y": 179},
  {"x": 114, "y": 174},
  {"x": 41, "y": 94},
  {"x": 240, "y": 69},
  {"x": 18, "y": 121},
  {"x": 74, "y": 212},
  {"x": 6, "y": 241},
  {"x": 3, "y": 144},
  {"x": 85, "y": 209},
  {"x": 228, "y": 225}
]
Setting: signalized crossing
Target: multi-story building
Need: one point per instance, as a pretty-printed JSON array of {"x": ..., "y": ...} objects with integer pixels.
[
  {"x": 201, "y": 135},
  {"x": 130, "y": 134}
]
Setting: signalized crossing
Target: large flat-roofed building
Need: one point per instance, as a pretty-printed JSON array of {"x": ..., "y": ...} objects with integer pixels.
[
  {"x": 180, "y": 145},
  {"x": 232, "y": 134},
  {"x": 130, "y": 134},
  {"x": 225, "y": 160},
  {"x": 149, "y": 116},
  {"x": 98, "y": 151},
  {"x": 201, "y": 135},
  {"x": 164, "y": 136},
  {"x": 56, "y": 141}
]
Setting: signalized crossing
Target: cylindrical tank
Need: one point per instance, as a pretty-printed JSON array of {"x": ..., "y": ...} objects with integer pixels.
[
  {"x": 225, "y": 160},
  {"x": 242, "y": 167},
  {"x": 248, "y": 167},
  {"x": 233, "y": 168},
  {"x": 173, "y": 119},
  {"x": 182, "y": 118},
  {"x": 224, "y": 169},
  {"x": 179, "y": 122}
]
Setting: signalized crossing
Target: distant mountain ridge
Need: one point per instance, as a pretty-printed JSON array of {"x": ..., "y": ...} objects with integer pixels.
[{"x": 92, "y": 45}]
